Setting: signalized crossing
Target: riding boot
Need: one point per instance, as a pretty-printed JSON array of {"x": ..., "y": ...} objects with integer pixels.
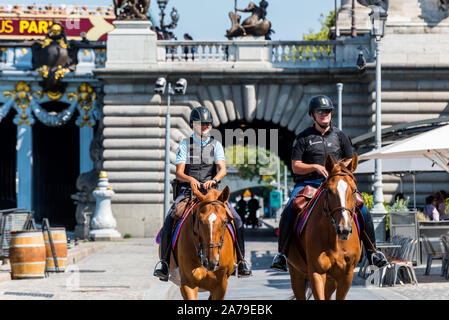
[
  {"x": 374, "y": 257},
  {"x": 243, "y": 269},
  {"x": 280, "y": 260},
  {"x": 163, "y": 271}
]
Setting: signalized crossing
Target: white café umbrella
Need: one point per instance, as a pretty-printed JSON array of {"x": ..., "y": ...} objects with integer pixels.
[
  {"x": 433, "y": 145},
  {"x": 401, "y": 167}
]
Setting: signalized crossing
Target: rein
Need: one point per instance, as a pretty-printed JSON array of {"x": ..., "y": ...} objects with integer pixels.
[
  {"x": 329, "y": 212},
  {"x": 201, "y": 246}
]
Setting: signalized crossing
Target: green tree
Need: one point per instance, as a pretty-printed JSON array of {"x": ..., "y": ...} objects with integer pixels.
[
  {"x": 253, "y": 162},
  {"x": 327, "y": 23},
  {"x": 310, "y": 52}
]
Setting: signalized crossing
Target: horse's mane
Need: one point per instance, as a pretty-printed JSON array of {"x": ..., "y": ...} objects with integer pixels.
[{"x": 211, "y": 195}]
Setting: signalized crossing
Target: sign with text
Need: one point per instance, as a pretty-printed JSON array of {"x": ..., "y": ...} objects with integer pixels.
[
  {"x": 27, "y": 27},
  {"x": 275, "y": 198}
]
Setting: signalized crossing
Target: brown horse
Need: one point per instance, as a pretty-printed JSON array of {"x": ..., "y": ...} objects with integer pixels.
[
  {"x": 205, "y": 250},
  {"x": 329, "y": 248}
]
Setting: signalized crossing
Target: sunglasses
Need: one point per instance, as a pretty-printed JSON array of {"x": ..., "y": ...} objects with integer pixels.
[{"x": 323, "y": 111}]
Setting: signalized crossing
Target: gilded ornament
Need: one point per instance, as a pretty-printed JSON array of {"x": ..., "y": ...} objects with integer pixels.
[{"x": 54, "y": 95}]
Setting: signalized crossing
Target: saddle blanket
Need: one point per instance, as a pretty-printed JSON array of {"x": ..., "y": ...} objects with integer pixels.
[
  {"x": 308, "y": 210},
  {"x": 229, "y": 225}
]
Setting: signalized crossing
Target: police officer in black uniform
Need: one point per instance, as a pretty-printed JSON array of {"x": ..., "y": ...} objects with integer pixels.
[
  {"x": 310, "y": 149},
  {"x": 200, "y": 163}
]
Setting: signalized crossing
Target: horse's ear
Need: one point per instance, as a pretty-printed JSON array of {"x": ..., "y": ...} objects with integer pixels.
[
  {"x": 197, "y": 193},
  {"x": 224, "y": 195},
  {"x": 329, "y": 164},
  {"x": 354, "y": 162}
]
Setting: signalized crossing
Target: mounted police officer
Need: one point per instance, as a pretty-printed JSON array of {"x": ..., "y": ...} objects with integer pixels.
[
  {"x": 310, "y": 149},
  {"x": 200, "y": 162}
]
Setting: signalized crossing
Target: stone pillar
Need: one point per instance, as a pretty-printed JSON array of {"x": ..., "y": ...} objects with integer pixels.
[
  {"x": 380, "y": 223},
  {"x": 103, "y": 223},
  {"x": 131, "y": 44},
  {"x": 252, "y": 50}
]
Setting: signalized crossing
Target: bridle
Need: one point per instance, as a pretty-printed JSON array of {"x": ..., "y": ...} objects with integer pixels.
[
  {"x": 201, "y": 245},
  {"x": 329, "y": 213}
]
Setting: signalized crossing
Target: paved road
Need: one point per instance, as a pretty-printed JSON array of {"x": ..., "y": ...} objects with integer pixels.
[{"x": 124, "y": 271}]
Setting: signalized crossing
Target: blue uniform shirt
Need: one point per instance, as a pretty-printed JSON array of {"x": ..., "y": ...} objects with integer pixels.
[{"x": 183, "y": 154}]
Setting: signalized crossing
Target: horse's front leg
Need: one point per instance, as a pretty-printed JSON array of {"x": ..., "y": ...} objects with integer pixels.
[
  {"x": 189, "y": 293},
  {"x": 330, "y": 287},
  {"x": 317, "y": 284},
  {"x": 219, "y": 291},
  {"x": 298, "y": 282},
  {"x": 344, "y": 284}
]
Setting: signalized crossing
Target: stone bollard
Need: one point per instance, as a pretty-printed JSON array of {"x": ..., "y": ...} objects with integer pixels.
[{"x": 102, "y": 226}]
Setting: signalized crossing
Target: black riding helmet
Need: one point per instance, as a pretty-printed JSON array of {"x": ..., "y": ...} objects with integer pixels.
[
  {"x": 201, "y": 114},
  {"x": 320, "y": 102}
]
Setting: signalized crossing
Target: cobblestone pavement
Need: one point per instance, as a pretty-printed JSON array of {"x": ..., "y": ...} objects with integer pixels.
[
  {"x": 116, "y": 272},
  {"x": 266, "y": 284},
  {"x": 123, "y": 271}
]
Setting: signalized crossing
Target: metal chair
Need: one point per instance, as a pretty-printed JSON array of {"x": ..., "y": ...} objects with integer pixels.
[
  {"x": 432, "y": 253},
  {"x": 445, "y": 262},
  {"x": 400, "y": 266},
  {"x": 15, "y": 219}
]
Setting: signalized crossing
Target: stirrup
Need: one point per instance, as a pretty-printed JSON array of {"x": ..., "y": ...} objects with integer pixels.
[
  {"x": 237, "y": 270},
  {"x": 162, "y": 278},
  {"x": 381, "y": 258},
  {"x": 275, "y": 266}
]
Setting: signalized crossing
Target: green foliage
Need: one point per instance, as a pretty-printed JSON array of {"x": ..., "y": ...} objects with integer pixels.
[
  {"x": 327, "y": 23},
  {"x": 368, "y": 200},
  {"x": 127, "y": 236},
  {"x": 421, "y": 216},
  {"x": 398, "y": 206},
  {"x": 253, "y": 162}
]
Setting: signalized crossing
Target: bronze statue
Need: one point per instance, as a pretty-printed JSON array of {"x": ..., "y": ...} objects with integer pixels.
[
  {"x": 377, "y": 3},
  {"x": 86, "y": 184},
  {"x": 443, "y": 5},
  {"x": 53, "y": 58},
  {"x": 131, "y": 9},
  {"x": 255, "y": 25}
]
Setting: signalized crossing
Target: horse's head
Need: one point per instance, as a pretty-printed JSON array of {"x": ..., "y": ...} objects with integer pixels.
[
  {"x": 210, "y": 219},
  {"x": 341, "y": 189}
]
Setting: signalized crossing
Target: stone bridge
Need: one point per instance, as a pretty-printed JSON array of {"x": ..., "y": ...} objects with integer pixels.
[{"x": 253, "y": 83}]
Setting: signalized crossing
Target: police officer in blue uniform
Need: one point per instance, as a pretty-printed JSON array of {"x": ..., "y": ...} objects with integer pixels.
[
  {"x": 310, "y": 149},
  {"x": 200, "y": 162}
]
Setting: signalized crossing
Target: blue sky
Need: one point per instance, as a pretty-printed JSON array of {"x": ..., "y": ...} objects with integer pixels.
[{"x": 208, "y": 19}]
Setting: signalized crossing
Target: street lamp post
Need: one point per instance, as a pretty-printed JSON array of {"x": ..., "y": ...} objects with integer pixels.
[
  {"x": 340, "y": 107},
  {"x": 378, "y": 18},
  {"x": 179, "y": 88},
  {"x": 174, "y": 17}
]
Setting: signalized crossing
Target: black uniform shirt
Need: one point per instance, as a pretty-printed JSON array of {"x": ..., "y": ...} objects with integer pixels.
[{"x": 312, "y": 147}]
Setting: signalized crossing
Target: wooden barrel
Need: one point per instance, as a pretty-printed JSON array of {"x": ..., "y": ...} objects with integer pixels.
[
  {"x": 60, "y": 244},
  {"x": 27, "y": 254}
]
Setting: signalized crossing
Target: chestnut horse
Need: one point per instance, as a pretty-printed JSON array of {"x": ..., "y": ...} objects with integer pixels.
[
  {"x": 329, "y": 249},
  {"x": 205, "y": 250}
]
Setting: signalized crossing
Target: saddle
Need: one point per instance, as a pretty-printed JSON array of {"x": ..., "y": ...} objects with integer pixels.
[
  {"x": 302, "y": 201},
  {"x": 303, "y": 197},
  {"x": 181, "y": 208}
]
